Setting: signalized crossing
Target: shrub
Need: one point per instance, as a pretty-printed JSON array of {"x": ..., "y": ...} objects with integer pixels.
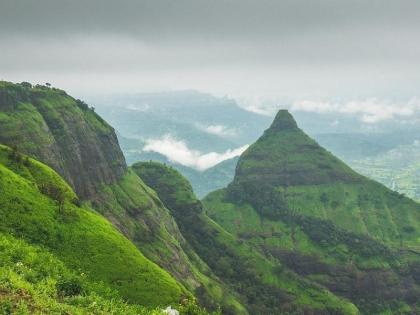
[{"x": 69, "y": 286}]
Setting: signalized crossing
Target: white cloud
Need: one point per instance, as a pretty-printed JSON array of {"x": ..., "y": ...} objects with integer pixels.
[
  {"x": 177, "y": 151},
  {"x": 370, "y": 110},
  {"x": 219, "y": 130}
]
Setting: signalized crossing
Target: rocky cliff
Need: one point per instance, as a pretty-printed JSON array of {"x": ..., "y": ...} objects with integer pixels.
[{"x": 62, "y": 132}]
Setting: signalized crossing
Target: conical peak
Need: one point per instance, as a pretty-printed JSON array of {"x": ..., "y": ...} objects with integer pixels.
[{"x": 283, "y": 121}]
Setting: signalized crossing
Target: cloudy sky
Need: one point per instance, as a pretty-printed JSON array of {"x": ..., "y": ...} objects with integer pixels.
[{"x": 282, "y": 49}]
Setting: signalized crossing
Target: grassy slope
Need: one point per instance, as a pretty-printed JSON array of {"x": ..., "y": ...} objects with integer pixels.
[
  {"x": 82, "y": 239},
  {"x": 296, "y": 202},
  {"x": 34, "y": 281},
  {"x": 263, "y": 287},
  {"x": 138, "y": 212}
]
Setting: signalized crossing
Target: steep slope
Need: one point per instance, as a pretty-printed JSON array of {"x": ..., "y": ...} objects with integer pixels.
[
  {"x": 262, "y": 285},
  {"x": 286, "y": 159},
  {"x": 33, "y": 281},
  {"x": 62, "y": 132},
  {"x": 294, "y": 201},
  {"x": 67, "y": 135},
  {"x": 37, "y": 206}
]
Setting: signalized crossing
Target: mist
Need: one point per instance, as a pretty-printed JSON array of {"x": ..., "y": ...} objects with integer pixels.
[{"x": 281, "y": 50}]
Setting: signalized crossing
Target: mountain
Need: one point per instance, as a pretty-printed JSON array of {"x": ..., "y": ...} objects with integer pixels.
[
  {"x": 293, "y": 200},
  {"x": 296, "y": 231},
  {"x": 64, "y": 133},
  {"x": 261, "y": 284}
]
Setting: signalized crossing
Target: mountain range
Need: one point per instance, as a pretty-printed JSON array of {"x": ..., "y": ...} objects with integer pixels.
[
  {"x": 203, "y": 124},
  {"x": 297, "y": 231}
]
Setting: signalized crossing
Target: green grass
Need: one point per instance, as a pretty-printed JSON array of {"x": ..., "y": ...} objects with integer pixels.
[
  {"x": 80, "y": 237},
  {"x": 34, "y": 281}
]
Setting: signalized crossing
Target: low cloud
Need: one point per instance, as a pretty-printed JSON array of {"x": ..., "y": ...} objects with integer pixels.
[
  {"x": 220, "y": 130},
  {"x": 177, "y": 151},
  {"x": 370, "y": 111}
]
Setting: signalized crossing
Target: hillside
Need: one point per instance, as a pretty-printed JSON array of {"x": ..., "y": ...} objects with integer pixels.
[
  {"x": 112, "y": 189},
  {"x": 294, "y": 201},
  {"x": 41, "y": 210},
  {"x": 261, "y": 284},
  {"x": 62, "y": 132}
]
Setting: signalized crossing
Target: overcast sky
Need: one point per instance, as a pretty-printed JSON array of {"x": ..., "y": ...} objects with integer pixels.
[{"x": 297, "y": 49}]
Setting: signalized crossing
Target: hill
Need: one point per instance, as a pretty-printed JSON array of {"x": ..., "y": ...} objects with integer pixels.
[
  {"x": 39, "y": 209},
  {"x": 293, "y": 200},
  {"x": 261, "y": 284},
  {"x": 67, "y": 135},
  {"x": 63, "y": 132}
]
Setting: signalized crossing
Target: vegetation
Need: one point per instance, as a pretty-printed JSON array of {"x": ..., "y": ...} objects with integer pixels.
[
  {"x": 83, "y": 149},
  {"x": 64, "y": 133},
  {"x": 78, "y": 236},
  {"x": 34, "y": 281},
  {"x": 294, "y": 201},
  {"x": 262, "y": 287},
  {"x": 296, "y": 232}
]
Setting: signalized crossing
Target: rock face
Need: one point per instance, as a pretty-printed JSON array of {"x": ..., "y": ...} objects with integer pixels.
[{"x": 62, "y": 132}]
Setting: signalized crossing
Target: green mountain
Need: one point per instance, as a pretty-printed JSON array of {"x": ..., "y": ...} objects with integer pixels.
[
  {"x": 260, "y": 283},
  {"x": 67, "y": 135},
  {"x": 293, "y": 201},
  {"x": 62, "y": 132},
  {"x": 296, "y": 232}
]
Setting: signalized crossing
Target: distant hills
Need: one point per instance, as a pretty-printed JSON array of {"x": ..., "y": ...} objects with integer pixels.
[{"x": 210, "y": 124}]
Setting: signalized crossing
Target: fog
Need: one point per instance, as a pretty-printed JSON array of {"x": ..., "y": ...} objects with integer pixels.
[{"x": 250, "y": 50}]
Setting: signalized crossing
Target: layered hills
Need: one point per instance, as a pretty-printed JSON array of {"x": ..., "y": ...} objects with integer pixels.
[
  {"x": 296, "y": 232},
  {"x": 295, "y": 202}
]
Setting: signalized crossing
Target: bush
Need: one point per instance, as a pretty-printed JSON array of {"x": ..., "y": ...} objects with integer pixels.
[{"x": 69, "y": 286}]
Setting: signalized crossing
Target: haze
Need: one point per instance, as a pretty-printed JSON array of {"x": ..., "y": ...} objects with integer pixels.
[{"x": 251, "y": 50}]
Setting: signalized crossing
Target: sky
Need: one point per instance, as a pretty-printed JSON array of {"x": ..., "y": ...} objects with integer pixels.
[{"x": 284, "y": 50}]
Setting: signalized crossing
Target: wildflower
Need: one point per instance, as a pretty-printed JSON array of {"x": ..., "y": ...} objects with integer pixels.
[{"x": 170, "y": 311}]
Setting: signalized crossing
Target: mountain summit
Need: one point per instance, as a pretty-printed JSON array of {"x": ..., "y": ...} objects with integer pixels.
[
  {"x": 283, "y": 121},
  {"x": 286, "y": 156}
]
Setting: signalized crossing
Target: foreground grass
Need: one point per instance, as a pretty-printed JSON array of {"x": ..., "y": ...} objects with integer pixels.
[{"x": 36, "y": 205}]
